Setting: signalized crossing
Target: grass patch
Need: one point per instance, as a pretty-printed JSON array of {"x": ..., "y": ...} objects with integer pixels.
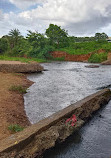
[
  {"x": 18, "y": 88},
  {"x": 15, "y": 128},
  {"x": 86, "y": 47},
  {"x": 22, "y": 59},
  {"x": 98, "y": 58}
]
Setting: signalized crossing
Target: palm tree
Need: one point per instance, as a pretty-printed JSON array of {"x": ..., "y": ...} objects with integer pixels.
[{"x": 14, "y": 37}]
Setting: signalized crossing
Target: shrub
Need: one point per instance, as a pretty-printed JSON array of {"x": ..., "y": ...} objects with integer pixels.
[
  {"x": 19, "y": 89},
  {"x": 15, "y": 128},
  {"x": 98, "y": 58}
]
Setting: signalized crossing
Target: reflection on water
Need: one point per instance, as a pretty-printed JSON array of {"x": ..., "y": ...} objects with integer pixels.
[{"x": 65, "y": 83}]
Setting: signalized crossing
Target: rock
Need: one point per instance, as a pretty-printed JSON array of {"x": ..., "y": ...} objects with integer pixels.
[
  {"x": 92, "y": 66},
  {"x": 45, "y": 70}
]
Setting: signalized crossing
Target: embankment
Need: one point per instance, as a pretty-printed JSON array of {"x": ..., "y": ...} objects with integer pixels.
[
  {"x": 108, "y": 61},
  {"x": 69, "y": 57},
  {"x": 18, "y": 67},
  {"x": 34, "y": 140},
  {"x": 12, "y": 102}
]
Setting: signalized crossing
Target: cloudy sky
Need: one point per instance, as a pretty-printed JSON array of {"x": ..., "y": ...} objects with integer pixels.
[{"x": 79, "y": 17}]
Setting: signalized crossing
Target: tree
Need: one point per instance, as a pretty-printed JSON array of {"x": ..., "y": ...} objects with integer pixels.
[
  {"x": 3, "y": 45},
  {"x": 14, "y": 36},
  {"x": 56, "y": 35},
  {"x": 36, "y": 39},
  {"x": 101, "y": 36}
]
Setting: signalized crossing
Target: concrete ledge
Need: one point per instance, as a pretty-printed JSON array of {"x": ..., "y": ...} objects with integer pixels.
[
  {"x": 22, "y": 68},
  {"x": 34, "y": 140}
]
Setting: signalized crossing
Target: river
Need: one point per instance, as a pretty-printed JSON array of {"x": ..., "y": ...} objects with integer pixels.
[{"x": 65, "y": 83}]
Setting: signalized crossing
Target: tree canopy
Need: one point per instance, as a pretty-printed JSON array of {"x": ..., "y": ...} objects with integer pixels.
[
  {"x": 101, "y": 36},
  {"x": 39, "y": 45},
  {"x": 56, "y": 35}
]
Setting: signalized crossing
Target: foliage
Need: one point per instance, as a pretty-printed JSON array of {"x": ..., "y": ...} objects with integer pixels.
[
  {"x": 22, "y": 49},
  {"x": 85, "y": 47},
  {"x": 18, "y": 88},
  {"x": 57, "y": 36},
  {"x": 15, "y": 128},
  {"x": 45, "y": 52},
  {"x": 101, "y": 36},
  {"x": 36, "y": 39},
  {"x": 14, "y": 36},
  {"x": 98, "y": 58},
  {"x": 3, "y": 45},
  {"x": 37, "y": 46}
]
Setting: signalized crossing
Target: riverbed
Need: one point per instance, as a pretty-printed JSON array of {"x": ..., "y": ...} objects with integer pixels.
[{"x": 65, "y": 83}]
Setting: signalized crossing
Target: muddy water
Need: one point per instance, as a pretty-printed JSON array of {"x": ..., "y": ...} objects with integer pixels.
[{"x": 63, "y": 84}]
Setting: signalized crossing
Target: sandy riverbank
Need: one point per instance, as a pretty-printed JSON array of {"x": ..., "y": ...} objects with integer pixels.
[{"x": 12, "y": 103}]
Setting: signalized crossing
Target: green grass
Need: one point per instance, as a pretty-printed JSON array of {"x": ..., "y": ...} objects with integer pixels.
[
  {"x": 15, "y": 128},
  {"x": 18, "y": 88},
  {"x": 86, "y": 47},
  {"x": 73, "y": 51},
  {"x": 22, "y": 59},
  {"x": 98, "y": 58}
]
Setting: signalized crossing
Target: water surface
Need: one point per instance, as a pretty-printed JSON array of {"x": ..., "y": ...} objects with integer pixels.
[{"x": 63, "y": 84}]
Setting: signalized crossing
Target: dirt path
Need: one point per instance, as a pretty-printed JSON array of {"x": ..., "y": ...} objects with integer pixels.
[
  {"x": 11, "y": 103},
  {"x": 10, "y": 62}
]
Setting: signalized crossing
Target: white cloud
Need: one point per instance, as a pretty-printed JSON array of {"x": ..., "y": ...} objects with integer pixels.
[
  {"x": 1, "y": 15},
  {"x": 78, "y": 16}
]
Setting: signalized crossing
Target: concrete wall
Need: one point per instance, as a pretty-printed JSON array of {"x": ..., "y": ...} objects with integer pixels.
[{"x": 34, "y": 140}]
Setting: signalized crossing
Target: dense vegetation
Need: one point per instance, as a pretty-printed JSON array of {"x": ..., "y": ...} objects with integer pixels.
[{"x": 37, "y": 46}]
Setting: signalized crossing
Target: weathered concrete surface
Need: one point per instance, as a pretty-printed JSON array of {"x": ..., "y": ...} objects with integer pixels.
[
  {"x": 22, "y": 67},
  {"x": 34, "y": 140}
]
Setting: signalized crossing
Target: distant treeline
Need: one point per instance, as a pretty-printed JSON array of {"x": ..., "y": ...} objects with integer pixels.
[{"x": 38, "y": 45}]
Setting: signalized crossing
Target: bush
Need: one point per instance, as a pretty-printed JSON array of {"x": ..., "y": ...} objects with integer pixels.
[
  {"x": 98, "y": 58},
  {"x": 45, "y": 51},
  {"x": 21, "y": 49},
  {"x": 15, "y": 128}
]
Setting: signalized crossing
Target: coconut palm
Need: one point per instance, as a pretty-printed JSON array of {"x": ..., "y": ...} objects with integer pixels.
[{"x": 14, "y": 37}]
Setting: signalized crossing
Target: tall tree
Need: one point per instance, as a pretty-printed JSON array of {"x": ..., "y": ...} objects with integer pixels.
[
  {"x": 14, "y": 36},
  {"x": 56, "y": 35},
  {"x": 101, "y": 36}
]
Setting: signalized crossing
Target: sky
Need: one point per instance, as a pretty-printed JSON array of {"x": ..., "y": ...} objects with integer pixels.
[{"x": 79, "y": 17}]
